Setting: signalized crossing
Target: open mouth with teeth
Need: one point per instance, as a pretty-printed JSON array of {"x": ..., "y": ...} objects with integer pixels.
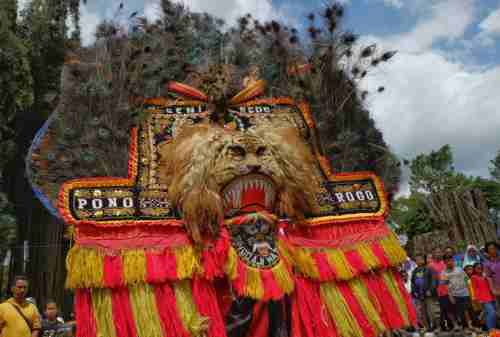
[{"x": 249, "y": 193}]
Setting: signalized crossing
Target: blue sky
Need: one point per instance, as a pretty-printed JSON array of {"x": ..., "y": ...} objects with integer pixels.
[{"x": 441, "y": 88}]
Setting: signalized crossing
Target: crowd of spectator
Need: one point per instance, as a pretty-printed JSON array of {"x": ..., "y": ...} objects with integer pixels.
[{"x": 455, "y": 290}]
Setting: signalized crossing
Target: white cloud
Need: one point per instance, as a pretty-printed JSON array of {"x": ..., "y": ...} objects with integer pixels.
[
  {"x": 445, "y": 20},
  {"x": 229, "y": 10},
  {"x": 394, "y": 3},
  {"x": 432, "y": 97},
  {"x": 491, "y": 25}
]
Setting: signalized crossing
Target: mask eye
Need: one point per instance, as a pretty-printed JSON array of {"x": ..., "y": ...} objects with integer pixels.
[
  {"x": 237, "y": 151},
  {"x": 261, "y": 150}
]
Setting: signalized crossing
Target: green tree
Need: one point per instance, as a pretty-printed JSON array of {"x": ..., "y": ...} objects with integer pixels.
[
  {"x": 434, "y": 172},
  {"x": 411, "y": 214},
  {"x": 495, "y": 167}
]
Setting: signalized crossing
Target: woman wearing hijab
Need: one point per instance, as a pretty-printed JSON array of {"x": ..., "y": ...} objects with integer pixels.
[{"x": 471, "y": 256}]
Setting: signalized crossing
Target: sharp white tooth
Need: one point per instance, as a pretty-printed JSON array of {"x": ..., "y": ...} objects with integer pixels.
[{"x": 237, "y": 197}]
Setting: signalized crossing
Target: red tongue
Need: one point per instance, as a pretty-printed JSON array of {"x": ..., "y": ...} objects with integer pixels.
[{"x": 253, "y": 199}]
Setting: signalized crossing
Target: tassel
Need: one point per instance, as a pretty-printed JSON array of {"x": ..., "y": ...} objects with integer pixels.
[
  {"x": 167, "y": 311},
  {"x": 134, "y": 266},
  {"x": 113, "y": 271},
  {"x": 271, "y": 289},
  {"x": 392, "y": 286},
  {"x": 368, "y": 257},
  {"x": 254, "y": 287},
  {"x": 412, "y": 315},
  {"x": 283, "y": 277},
  {"x": 356, "y": 311},
  {"x": 356, "y": 262},
  {"x": 84, "y": 312},
  {"x": 85, "y": 268},
  {"x": 383, "y": 301},
  {"x": 103, "y": 309},
  {"x": 156, "y": 267},
  {"x": 123, "y": 316},
  {"x": 340, "y": 263},
  {"x": 310, "y": 311},
  {"x": 393, "y": 250},
  {"x": 145, "y": 311},
  {"x": 362, "y": 296},
  {"x": 205, "y": 298},
  {"x": 325, "y": 269},
  {"x": 187, "y": 262},
  {"x": 190, "y": 317},
  {"x": 339, "y": 310}
]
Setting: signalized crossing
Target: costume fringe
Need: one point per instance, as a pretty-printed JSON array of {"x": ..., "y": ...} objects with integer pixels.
[
  {"x": 350, "y": 308},
  {"x": 343, "y": 264},
  {"x": 259, "y": 284},
  {"x": 167, "y": 310},
  {"x": 123, "y": 315},
  {"x": 191, "y": 319},
  {"x": 84, "y": 314},
  {"x": 145, "y": 311},
  {"x": 95, "y": 268},
  {"x": 103, "y": 309},
  {"x": 205, "y": 298}
]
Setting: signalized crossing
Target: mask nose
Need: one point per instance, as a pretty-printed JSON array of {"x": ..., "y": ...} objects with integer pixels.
[{"x": 253, "y": 168}]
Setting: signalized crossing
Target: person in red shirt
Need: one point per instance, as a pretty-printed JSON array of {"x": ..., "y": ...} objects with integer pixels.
[
  {"x": 484, "y": 295},
  {"x": 437, "y": 266}
]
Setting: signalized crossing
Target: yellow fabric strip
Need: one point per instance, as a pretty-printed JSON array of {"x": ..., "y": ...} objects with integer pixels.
[
  {"x": 103, "y": 312},
  {"x": 134, "y": 266},
  {"x": 346, "y": 323},
  {"x": 283, "y": 278},
  {"x": 363, "y": 297},
  {"x": 393, "y": 250},
  {"x": 392, "y": 285},
  {"x": 253, "y": 287},
  {"x": 232, "y": 264},
  {"x": 191, "y": 318},
  {"x": 85, "y": 268},
  {"x": 187, "y": 262},
  {"x": 340, "y": 264},
  {"x": 370, "y": 259},
  {"x": 305, "y": 261},
  {"x": 146, "y": 317}
]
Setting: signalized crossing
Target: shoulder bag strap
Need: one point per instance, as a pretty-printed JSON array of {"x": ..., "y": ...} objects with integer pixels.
[{"x": 26, "y": 319}]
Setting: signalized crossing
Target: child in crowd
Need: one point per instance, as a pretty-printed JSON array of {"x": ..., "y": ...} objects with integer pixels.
[
  {"x": 484, "y": 295},
  {"x": 51, "y": 324},
  {"x": 457, "y": 290},
  {"x": 475, "y": 306},
  {"x": 421, "y": 291}
]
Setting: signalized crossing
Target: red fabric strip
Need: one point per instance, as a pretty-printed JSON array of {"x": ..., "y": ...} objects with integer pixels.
[
  {"x": 356, "y": 262},
  {"x": 167, "y": 310},
  {"x": 123, "y": 315},
  {"x": 379, "y": 252},
  {"x": 356, "y": 310},
  {"x": 214, "y": 258},
  {"x": 84, "y": 314},
  {"x": 412, "y": 314},
  {"x": 326, "y": 270},
  {"x": 160, "y": 267},
  {"x": 260, "y": 320},
  {"x": 383, "y": 300},
  {"x": 113, "y": 271},
  {"x": 314, "y": 319},
  {"x": 205, "y": 298},
  {"x": 272, "y": 291},
  {"x": 240, "y": 281}
]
